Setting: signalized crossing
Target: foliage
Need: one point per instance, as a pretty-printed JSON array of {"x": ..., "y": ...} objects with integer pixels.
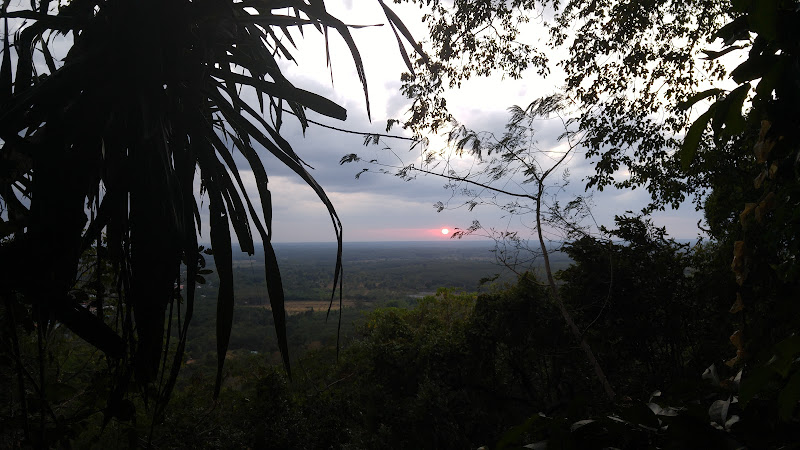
[
  {"x": 632, "y": 70},
  {"x": 118, "y": 130},
  {"x": 635, "y": 73},
  {"x": 657, "y": 310},
  {"x": 765, "y": 238},
  {"x": 652, "y": 306},
  {"x": 468, "y": 38},
  {"x": 501, "y": 170},
  {"x": 443, "y": 374}
]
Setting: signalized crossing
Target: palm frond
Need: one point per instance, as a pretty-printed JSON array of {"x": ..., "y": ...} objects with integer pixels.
[{"x": 120, "y": 128}]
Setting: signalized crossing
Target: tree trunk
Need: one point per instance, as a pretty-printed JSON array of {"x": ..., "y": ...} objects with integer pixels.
[{"x": 601, "y": 376}]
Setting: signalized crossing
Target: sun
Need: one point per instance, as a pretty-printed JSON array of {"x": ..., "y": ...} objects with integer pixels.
[{"x": 445, "y": 231}]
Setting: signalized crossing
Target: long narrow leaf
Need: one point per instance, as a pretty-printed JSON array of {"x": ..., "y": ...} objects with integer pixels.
[
  {"x": 184, "y": 170},
  {"x": 247, "y": 128},
  {"x": 395, "y": 21},
  {"x": 402, "y": 49},
  {"x": 90, "y": 328},
  {"x": 48, "y": 58},
  {"x": 310, "y": 100},
  {"x": 5, "y": 66},
  {"x": 228, "y": 158},
  {"x": 692, "y": 140},
  {"x": 276, "y": 137},
  {"x": 233, "y": 199},
  {"x": 684, "y": 105},
  {"x": 277, "y": 302},
  {"x": 223, "y": 259},
  {"x": 340, "y": 27}
]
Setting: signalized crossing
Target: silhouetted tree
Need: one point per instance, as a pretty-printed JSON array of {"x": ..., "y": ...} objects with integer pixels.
[{"x": 115, "y": 137}]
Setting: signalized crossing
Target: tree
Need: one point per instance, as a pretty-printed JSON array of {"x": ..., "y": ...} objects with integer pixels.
[
  {"x": 652, "y": 306},
  {"x": 636, "y": 71},
  {"x": 632, "y": 69},
  {"x": 638, "y": 74},
  {"x": 117, "y": 130},
  {"x": 764, "y": 255},
  {"x": 514, "y": 160}
]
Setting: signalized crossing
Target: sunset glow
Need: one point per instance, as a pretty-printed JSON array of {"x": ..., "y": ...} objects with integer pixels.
[{"x": 445, "y": 231}]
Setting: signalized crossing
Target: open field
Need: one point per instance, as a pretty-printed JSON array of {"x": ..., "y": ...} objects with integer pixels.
[{"x": 301, "y": 306}]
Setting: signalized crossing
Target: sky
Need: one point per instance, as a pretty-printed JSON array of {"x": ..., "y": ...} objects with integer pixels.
[{"x": 379, "y": 207}]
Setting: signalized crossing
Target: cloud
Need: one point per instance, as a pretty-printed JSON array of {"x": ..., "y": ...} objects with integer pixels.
[{"x": 383, "y": 207}]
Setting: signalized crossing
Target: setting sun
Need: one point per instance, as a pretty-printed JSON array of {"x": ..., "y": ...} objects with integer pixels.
[{"x": 445, "y": 231}]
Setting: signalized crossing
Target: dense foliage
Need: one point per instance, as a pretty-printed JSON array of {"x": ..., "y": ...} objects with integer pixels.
[{"x": 112, "y": 114}]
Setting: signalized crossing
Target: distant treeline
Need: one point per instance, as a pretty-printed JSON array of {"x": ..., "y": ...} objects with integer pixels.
[{"x": 372, "y": 270}]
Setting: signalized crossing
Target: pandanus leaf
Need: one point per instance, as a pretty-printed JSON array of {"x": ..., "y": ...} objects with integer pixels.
[
  {"x": 223, "y": 259},
  {"x": 245, "y": 127},
  {"x": 148, "y": 145},
  {"x": 330, "y": 21},
  {"x": 184, "y": 169},
  {"x": 277, "y": 301},
  {"x": 310, "y": 100},
  {"x": 228, "y": 158},
  {"x": 396, "y": 25},
  {"x": 5, "y": 67}
]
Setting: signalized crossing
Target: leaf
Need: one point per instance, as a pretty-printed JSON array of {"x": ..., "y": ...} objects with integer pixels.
[
  {"x": 398, "y": 24},
  {"x": 773, "y": 170},
  {"x": 731, "y": 107},
  {"x": 753, "y": 67},
  {"x": 713, "y": 54},
  {"x": 402, "y": 48},
  {"x": 682, "y": 106},
  {"x": 5, "y": 66},
  {"x": 184, "y": 168},
  {"x": 788, "y": 397},
  {"x": 340, "y": 27},
  {"x": 711, "y": 375},
  {"x": 246, "y": 128},
  {"x": 223, "y": 258},
  {"x": 748, "y": 209},
  {"x": 718, "y": 411},
  {"x": 91, "y": 329},
  {"x": 240, "y": 222},
  {"x": 277, "y": 302},
  {"x": 736, "y": 30},
  {"x": 737, "y": 265},
  {"x": 736, "y": 340},
  {"x": 692, "y": 139},
  {"x": 770, "y": 79},
  {"x": 759, "y": 180},
  {"x": 286, "y": 91},
  {"x": 48, "y": 57},
  {"x": 753, "y": 383},
  {"x": 763, "y": 18}
]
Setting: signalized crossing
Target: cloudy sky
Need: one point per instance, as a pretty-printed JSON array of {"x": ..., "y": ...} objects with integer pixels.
[{"x": 379, "y": 207}]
